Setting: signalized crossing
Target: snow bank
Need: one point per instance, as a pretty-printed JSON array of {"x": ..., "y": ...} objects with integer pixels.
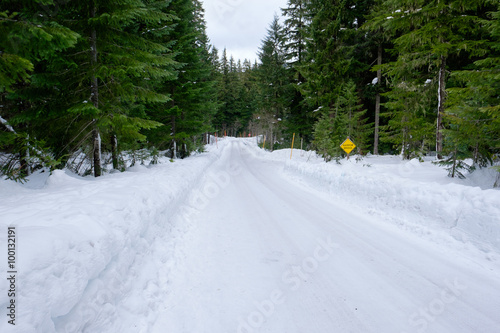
[
  {"x": 470, "y": 213},
  {"x": 419, "y": 194},
  {"x": 85, "y": 245}
]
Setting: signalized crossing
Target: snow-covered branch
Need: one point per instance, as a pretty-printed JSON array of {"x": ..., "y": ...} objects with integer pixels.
[{"x": 6, "y": 124}]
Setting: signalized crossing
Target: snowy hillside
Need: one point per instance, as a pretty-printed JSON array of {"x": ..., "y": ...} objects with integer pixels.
[{"x": 238, "y": 239}]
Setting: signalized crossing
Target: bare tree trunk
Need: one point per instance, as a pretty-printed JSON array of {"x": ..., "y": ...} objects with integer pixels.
[
  {"x": 272, "y": 138},
  {"x": 441, "y": 100},
  {"x": 377, "y": 101},
  {"x": 173, "y": 155},
  {"x": 174, "y": 145},
  {"x": 114, "y": 151},
  {"x": 97, "y": 152},
  {"x": 94, "y": 88}
]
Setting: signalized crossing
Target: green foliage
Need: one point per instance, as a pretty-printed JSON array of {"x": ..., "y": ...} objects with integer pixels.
[
  {"x": 121, "y": 69},
  {"x": 193, "y": 103},
  {"x": 24, "y": 155},
  {"x": 473, "y": 108},
  {"x": 344, "y": 120},
  {"x": 410, "y": 126},
  {"x": 142, "y": 72}
]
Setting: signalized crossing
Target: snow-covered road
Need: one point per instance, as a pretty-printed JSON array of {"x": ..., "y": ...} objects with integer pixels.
[
  {"x": 239, "y": 240},
  {"x": 266, "y": 254}
]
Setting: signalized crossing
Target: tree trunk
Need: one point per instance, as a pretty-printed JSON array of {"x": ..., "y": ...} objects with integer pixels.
[
  {"x": 377, "y": 101},
  {"x": 441, "y": 100},
  {"x": 271, "y": 139},
  {"x": 454, "y": 167},
  {"x": 28, "y": 157},
  {"x": 174, "y": 143},
  {"x": 97, "y": 152},
  {"x": 114, "y": 151},
  {"x": 94, "y": 89}
]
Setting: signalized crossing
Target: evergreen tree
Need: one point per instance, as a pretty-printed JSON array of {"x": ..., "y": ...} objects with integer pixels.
[
  {"x": 299, "y": 120},
  {"x": 230, "y": 88},
  {"x": 275, "y": 88},
  {"x": 338, "y": 52},
  {"x": 379, "y": 41},
  {"x": 192, "y": 104},
  {"x": 29, "y": 37},
  {"x": 192, "y": 107},
  {"x": 248, "y": 93},
  {"x": 473, "y": 108},
  {"x": 116, "y": 69},
  {"x": 409, "y": 117},
  {"x": 428, "y": 34},
  {"x": 345, "y": 120}
]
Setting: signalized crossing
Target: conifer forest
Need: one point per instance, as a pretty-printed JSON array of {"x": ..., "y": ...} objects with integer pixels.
[{"x": 94, "y": 85}]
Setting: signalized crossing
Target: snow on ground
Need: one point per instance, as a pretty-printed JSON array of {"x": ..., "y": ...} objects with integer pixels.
[
  {"x": 242, "y": 240},
  {"x": 417, "y": 196},
  {"x": 85, "y": 245}
]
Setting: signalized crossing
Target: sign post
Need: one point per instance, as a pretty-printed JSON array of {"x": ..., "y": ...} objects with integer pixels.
[{"x": 348, "y": 146}]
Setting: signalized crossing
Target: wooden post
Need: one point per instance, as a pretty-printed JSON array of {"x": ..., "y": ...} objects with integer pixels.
[{"x": 293, "y": 140}]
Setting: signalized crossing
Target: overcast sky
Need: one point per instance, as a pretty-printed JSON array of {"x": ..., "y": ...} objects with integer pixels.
[{"x": 240, "y": 25}]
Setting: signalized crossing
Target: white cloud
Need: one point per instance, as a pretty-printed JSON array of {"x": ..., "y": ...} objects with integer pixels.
[{"x": 240, "y": 25}]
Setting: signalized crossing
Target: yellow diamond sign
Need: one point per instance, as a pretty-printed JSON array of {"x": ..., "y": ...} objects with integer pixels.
[{"x": 348, "y": 146}]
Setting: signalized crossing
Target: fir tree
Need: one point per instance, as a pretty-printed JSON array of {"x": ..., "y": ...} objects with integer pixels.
[
  {"x": 344, "y": 120},
  {"x": 428, "y": 34},
  {"x": 473, "y": 107},
  {"x": 275, "y": 89},
  {"x": 192, "y": 104},
  {"x": 409, "y": 118},
  {"x": 29, "y": 38},
  {"x": 114, "y": 74},
  {"x": 299, "y": 120}
]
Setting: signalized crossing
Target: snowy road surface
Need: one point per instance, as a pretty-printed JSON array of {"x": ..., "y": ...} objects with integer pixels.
[
  {"x": 239, "y": 240},
  {"x": 264, "y": 254}
]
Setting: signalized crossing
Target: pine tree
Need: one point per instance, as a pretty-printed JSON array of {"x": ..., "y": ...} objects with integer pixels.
[
  {"x": 380, "y": 40},
  {"x": 192, "y": 105},
  {"x": 114, "y": 73},
  {"x": 337, "y": 51},
  {"x": 344, "y": 120},
  {"x": 409, "y": 117},
  {"x": 299, "y": 120},
  {"x": 29, "y": 38},
  {"x": 473, "y": 107},
  {"x": 428, "y": 34},
  {"x": 275, "y": 88},
  {"x": 230, "y": 90}
]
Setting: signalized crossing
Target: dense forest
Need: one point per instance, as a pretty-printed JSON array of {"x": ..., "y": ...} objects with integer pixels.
[{"x": 97, "y": 85}]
